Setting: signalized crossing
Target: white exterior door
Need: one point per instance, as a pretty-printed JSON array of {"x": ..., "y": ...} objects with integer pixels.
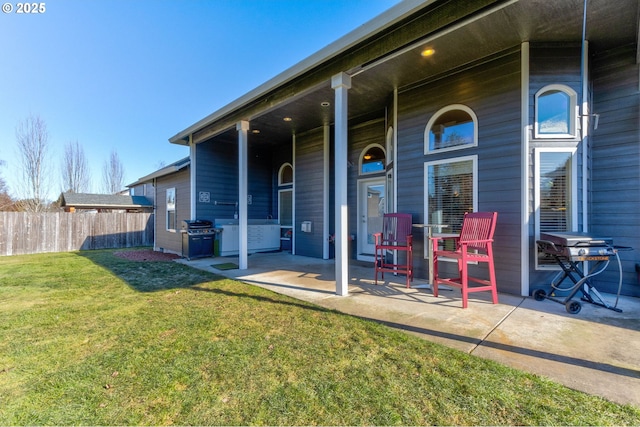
[{"x": 371, "y": 209}]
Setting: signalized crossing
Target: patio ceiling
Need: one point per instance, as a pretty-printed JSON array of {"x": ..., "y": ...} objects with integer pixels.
[{"x": 492, "y": 30}]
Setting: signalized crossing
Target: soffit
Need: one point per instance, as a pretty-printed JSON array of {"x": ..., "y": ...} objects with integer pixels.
[{"x": 490, "y": 31}]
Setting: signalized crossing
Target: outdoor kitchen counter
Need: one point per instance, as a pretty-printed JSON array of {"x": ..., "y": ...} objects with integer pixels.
[{"x": 262, "y": 236}]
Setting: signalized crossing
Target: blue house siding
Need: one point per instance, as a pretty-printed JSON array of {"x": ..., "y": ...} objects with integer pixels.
[
  {"x": 615, "y": 169},
  {"x": 383, "y": 59},
  {"x": 217, "y": 174},
  {"x": 551, "y": 64},
  {"x": 492, "y": 91},
  {"x": 308, "y": 192}
]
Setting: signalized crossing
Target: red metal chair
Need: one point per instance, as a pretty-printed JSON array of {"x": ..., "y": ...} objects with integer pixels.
[
  {"x": 473, "y": 245},
  {"x": 395, "y": 236}
]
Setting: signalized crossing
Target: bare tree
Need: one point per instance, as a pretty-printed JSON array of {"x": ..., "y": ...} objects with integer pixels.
[
  {"x": 33, "y": 147},
  {"x": 113, "y": 174},
  {"x": 6, "y": 203},
  {"x": 76, "y": 176}
]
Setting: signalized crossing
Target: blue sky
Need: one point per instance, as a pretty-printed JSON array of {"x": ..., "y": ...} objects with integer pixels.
[{"x": 126, "y": 75}]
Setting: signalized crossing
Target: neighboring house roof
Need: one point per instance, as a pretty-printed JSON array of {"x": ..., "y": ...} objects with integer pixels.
[
  {"x": 104, "y": 201},
  {"x": 167, "y": 170}
]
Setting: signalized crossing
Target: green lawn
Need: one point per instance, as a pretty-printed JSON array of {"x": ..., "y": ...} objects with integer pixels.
[{"x": 88, "y": 338}]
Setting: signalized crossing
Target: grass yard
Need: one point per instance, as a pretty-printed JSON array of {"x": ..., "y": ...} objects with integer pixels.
[{"x": 88, "y": 338}]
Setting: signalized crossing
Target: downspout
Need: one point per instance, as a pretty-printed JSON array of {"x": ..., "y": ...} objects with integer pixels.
[{"x": 584, "y": 118}]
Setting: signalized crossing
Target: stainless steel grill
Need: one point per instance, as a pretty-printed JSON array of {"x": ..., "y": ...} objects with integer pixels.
[
  {"x": 198, "y": 226},
  {"x": 198, "y": 238}
]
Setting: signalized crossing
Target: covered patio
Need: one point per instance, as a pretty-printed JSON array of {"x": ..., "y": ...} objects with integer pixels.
[
  {"x": 596, "y": 351},
  {"x": 378, "y": 85}
]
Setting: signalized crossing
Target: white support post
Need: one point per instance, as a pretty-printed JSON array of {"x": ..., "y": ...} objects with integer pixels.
[
  {"x": 325, "y": 193},
  {"x": 243, "y": 127},
  {"x": 524, "y": 168},
  {"x": 341, "y": 83},
  {"x": 293, "y": 202},
  {"x": 192, "y": 177}
]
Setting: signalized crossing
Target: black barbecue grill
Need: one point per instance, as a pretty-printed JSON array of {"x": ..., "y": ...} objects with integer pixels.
[
  {"x": 569, "y": 249},
  {"x": 198, "y": 238}
]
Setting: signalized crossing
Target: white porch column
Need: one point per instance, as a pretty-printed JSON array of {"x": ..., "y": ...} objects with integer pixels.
[
  {"x": 341, "y": 83},
  {"x": 192, "y": 177},
  {"x": 325, "y": 192},
  {"x": 243, "y": 127}
]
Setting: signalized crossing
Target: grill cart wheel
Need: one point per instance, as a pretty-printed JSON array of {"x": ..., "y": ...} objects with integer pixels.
[
  {"x": 573, "y": 307},
  {"x": 539, "y": 294}
]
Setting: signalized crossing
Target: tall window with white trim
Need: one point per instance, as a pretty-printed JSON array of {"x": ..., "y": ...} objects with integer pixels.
[
  {"x": 451, "y": 189},
  {"x": 556, "y": 191},
  {"x": 171, "y": 209}
]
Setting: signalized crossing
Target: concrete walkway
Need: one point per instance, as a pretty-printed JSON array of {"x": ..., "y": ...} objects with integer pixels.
[{"x": 596, "y": 351}]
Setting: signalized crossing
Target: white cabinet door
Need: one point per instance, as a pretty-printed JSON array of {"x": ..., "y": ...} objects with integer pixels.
[{"x": 229, "y": 240}]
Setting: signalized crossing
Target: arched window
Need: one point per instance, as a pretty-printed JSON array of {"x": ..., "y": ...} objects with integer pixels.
[
  {"x": 555, "y": 112},
  {"x": 372, "y": 159},
  {"x": 285, "y": 175},
  {"x": 452, "y": 128},
  {"x": 390, "y": 146}
]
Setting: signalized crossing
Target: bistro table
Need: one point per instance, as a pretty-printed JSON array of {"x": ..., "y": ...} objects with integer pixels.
[{"x": 430, "y": 228}]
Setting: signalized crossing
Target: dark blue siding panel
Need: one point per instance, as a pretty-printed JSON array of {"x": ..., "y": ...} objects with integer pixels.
[
  {"x": 308, "y": 193},
  {"x": 615, "y": 164},
  {"x": 217, "y": 174},
  {"x": 492, "y": 91}
]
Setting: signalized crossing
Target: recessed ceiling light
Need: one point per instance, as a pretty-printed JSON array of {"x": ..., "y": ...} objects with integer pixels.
[
  {"x": 256, "y": 131},
  {"x": 325, "y": 104},
  {"x": 427, "y": 52},
  {"x": 287, "y": 119}
]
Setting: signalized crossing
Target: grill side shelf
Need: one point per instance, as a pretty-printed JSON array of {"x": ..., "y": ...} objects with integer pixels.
[{"x": 549, "y": 247}]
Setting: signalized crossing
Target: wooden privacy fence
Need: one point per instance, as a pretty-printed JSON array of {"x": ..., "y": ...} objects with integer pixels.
[{"x": 29, "y": 233}]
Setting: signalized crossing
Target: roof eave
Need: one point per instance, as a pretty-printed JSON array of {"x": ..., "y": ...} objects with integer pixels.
[
  {"x": 360, "y": 34},
  {"x": 167, "y": 170}
]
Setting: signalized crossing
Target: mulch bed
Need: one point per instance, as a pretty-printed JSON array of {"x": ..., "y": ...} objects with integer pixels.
[{"x": 146, "y": 255}]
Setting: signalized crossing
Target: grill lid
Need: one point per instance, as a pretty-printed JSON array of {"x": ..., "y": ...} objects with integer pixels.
[
  {"x": 576, "y": 238},
  {"x": 196, "y": 224}
]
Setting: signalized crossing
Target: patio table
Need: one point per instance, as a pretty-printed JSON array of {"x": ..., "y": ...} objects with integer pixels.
[{"x": 429, "y": 228}]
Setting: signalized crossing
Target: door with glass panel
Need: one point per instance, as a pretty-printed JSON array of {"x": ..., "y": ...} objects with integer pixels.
[{"x": 371, "y": 209}]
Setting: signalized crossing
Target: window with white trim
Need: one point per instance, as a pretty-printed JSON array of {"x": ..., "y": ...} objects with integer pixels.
[
  {"x": 390, "y": 152},
  {"x": 451, "y": 189},
  {"x": 555, "y": 195},
  {"x": 453, "y": 127},
  {"x": 556, "y": 108},
  {"x": 171, "y": 209},
  {"x": 372, "y": 159},
  {"x": 285, "y": 174}
]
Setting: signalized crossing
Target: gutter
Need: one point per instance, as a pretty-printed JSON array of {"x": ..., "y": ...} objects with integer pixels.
[{"x": 360, "y": 34}]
